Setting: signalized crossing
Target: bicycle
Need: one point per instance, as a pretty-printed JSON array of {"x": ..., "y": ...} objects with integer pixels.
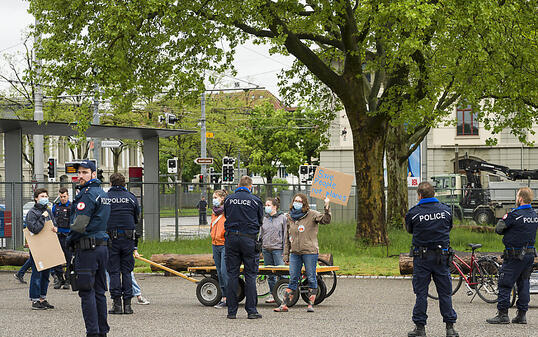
[{"x": 480, "y": 275}]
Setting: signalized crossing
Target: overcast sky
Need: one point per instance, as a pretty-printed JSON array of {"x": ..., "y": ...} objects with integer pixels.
[{"x": 253, "y": 63}]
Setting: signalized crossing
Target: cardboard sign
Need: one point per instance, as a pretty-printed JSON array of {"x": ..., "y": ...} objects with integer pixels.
[
  {"x": 331, "y": 184},
  {"x": 45, "y": 247}
]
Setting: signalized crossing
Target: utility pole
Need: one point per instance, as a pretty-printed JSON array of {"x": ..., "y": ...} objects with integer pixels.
[
  {"x": 38, "y": 114},
  {"x": 96, "y": 141},
  {"x": 203, "y": 144}
]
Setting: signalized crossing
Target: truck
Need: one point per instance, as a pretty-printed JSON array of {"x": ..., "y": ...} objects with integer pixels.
[{"x": 484, "y": 204}]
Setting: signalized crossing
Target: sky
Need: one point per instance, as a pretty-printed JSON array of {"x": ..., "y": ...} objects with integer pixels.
[{"x": 253, "y": 62}]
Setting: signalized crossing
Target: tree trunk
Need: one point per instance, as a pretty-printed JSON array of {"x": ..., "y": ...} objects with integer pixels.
[
  {"x": 13, "y": 257},
  {"x": 182, "y": 262},
  {"x": 269, "y": 186},
  {"x": 368, "y": 146},
  {"x": 397, "y": 199}
]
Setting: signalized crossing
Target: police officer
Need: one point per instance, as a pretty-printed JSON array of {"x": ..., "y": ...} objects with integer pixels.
[
  {"x": 430, "y": 223},
  {"x": 244, "y": 216},
  {"x": 519, "y": 230},
  {"x": 62, "y": 214},
  {"x": 124, "y": 213},
  {"x": 89, "y": 240}
]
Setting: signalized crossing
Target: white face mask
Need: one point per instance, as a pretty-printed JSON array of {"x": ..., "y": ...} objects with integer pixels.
[
  {"x": 43, "y": 201},
  {"x": 297, "y": 205},
  {"x": 216, "y": 202},
  {"x": 268, "y": 209}
]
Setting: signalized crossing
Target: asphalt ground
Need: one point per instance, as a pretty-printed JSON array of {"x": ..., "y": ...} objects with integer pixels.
[{"x": 359, "y": 307}]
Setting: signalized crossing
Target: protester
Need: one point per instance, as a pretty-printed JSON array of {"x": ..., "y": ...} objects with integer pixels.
[
  {"x": 217, "y": 240},
  {"x": 301, "y": 247},
  {"x": 273, "y": 233},
  {"x": 19, "y": 275},
  {"x": 35, "y": 222}
]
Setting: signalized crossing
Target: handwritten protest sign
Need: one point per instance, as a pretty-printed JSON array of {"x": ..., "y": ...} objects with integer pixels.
[{"x": 331, "y": 184}]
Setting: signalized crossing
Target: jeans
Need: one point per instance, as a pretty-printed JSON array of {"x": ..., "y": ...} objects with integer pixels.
[
  {"x": 39, "y": 282},
  {"x": 220, "y": 263},
  {"x": 272, "y": 258},
  {"x": 310, "y": 262},
  {"x": 136, "y": 288},
  {"x": 25, "y": 267}
]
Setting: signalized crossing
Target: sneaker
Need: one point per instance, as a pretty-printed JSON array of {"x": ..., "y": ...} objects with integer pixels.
[
  {"x": 19, "y": 278},
  {"x": 310, "y": 308},
  {"x": 220, "y": 305},
  {"x": 66, "y": 286},
  {"x": 141, "y": 300},
  {"x": 47, "y": 305},
  {"x": 270, "y": 300},
  {"x": 36, "y": 305}
]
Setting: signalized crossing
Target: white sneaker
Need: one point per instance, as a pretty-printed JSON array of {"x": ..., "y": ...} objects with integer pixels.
[{"x": 141, "y": 300}]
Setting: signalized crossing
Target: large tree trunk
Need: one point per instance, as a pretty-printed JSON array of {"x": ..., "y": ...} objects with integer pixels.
[
  {"x": 396, "y": 155},
  {"x": 368, "y": 146},
  {"x": 13, "y": 257}
]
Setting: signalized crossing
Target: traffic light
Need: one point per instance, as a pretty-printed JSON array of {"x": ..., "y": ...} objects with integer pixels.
[
  {"x": 228, "y": 169},
  {"x": 100, "y": 174},
  {"x": 303, "y": 173},
  {"x": 172, "y": 165},
  {"x": 52, "y": 169},
  {"x": 311, "y": 172},
  {"x": 201, "y": 178},
  {"x": 214, "y": 178}
]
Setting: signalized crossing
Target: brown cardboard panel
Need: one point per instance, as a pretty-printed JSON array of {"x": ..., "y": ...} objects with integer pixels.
[
  {"x": 331, "y": 184},
  {"x": 45, "y": 247}
]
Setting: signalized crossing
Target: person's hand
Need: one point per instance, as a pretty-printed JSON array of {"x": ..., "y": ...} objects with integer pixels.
[
  {"x": 327, "y": 202},
  {"x": 136, "y": 254},
  {"x": 45, "y": 214},
  {"x": 286, "y": 259},
  {"x": 55, "y": 229}
]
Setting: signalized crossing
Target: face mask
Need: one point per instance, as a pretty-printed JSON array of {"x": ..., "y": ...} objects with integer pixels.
[
  {"x": 268, "y": 209},
  {"x": 216, "y": 202},
  {"x": 297, "y": 205},
  {"x": 43, "y": 201}
]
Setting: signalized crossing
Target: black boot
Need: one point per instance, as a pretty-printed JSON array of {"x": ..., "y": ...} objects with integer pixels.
[
  {"x": 501, "y": 318},
  {"x": 520, "y": 318},
  {"x": 418, "y": 331},
  {"x": 450, "y": 331},
  {"x": 127, "y": 306},
  {"x": 57, "y": 283},
  {"x": 116, "y": 307}
]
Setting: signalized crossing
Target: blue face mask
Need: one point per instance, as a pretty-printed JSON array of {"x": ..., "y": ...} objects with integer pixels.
[
  {"x": 297, "y": 205},
  {"x": 43, "y": 201},
  {"x": 268, "y": 209},
  {"x": 216, "y": 202}
]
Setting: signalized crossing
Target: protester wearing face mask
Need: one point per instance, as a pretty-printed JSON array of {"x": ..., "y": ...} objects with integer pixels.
[
  {"x": 301, "y": 247},
  {"x": 273, "y": 233},
  {"x": 35, "y": 221},
  {"x": 217, "y": 239}
]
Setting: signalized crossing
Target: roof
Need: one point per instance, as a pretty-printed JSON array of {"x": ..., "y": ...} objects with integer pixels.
[{"x": 96, "y": 131}]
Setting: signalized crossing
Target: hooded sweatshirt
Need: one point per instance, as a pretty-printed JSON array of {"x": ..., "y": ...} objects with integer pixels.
[{"x": 273, "y": 231}]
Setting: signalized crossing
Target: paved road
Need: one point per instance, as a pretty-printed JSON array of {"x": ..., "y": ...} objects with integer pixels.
[{"x": 359, "y": 307}]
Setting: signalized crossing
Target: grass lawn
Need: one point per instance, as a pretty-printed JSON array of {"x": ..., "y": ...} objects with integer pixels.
[{"x": 169, "y": 212}]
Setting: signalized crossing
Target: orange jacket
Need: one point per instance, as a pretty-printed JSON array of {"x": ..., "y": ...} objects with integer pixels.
[{"x": 217, "y": 230}]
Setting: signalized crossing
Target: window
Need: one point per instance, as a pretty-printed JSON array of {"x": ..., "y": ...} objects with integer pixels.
[{"x": 467, "y": 122}]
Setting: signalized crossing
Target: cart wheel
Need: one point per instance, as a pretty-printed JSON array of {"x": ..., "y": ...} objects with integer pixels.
[
  {"x": 320, "y": 295},
  {"x": 279, "y": 289},
  {"x": 240, "y": 290},
  {"x": 208, "y": 291},
  {"x": 328, "y": 277}
]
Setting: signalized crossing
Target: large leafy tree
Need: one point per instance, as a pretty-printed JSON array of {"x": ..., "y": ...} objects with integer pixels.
[{"x": 145, "y": 45}]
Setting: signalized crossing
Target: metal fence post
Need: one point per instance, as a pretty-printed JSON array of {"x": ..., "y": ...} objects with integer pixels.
[{"x": 176, "y": 209}]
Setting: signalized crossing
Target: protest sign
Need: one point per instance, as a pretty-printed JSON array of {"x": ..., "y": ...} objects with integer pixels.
[
  {"x": 45, "y": 247},
  {"x": 331, "y": 184}
]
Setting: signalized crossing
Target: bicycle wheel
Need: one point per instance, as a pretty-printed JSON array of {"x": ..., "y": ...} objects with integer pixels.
[
  {"x": 262, "y": 286},
  {"x": 486, "y": 273},
  {"x": 329, "y": 278},
  {"x": 456, "y": 282}
]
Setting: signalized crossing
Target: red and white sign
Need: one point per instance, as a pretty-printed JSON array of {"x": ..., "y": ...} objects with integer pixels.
[
  {"x": 81, "y": 206},
  {"x": 413, "y": 181},
  {"x": 201, "y": 161}
]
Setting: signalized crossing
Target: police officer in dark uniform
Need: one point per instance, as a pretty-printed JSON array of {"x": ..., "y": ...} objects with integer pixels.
[
  {"x": 124, "y": 213},
  {"x": 430, "y": 223},
  {"x": 62, "y": 214},
  {"x": 519, "y": 230},
  {"x": 244, "y": 216},
  {"x": 89, "y": 240}
]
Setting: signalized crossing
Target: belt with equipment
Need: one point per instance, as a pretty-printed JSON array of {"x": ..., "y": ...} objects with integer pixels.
[
  {"x": 122, "y": 233},
  {"x": 519, "y": 253},
  {"x": 89, "y": 243},
  {"x": 254, "y": 237}
]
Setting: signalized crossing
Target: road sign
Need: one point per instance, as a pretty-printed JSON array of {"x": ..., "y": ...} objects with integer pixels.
[
  {"x": 111, "y": 143},
  {"x": 209, "y": 134},
  {"x": 201, "y": 161}
]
